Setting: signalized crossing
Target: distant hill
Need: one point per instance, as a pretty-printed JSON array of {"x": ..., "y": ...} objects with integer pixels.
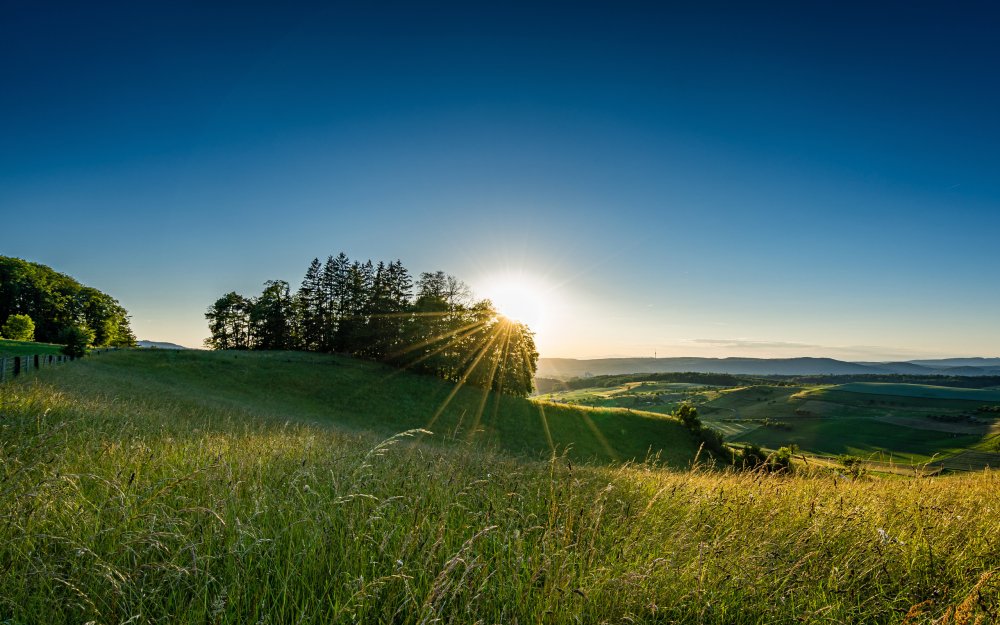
[
  {"x": 959, "y": 362},
  {"x": 566, "y": 368},
  {"x": 159, "y": 345}
]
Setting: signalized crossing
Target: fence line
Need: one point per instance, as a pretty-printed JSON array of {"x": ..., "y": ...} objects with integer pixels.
[{"x": 13, "y": 366}]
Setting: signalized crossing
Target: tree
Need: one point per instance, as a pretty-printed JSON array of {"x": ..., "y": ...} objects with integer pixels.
[
  {"x": 309, "y": 301},
  {"x": 271, "y": 317},
  {"x": 19, "y": 328},
  {"x": 76, "y": 339},
  {"x": 688, "y": 415},
  {"x": 229, "y": 322},
  {"x": 334, "y": 286},
  {"x": 55, "y": 301}
]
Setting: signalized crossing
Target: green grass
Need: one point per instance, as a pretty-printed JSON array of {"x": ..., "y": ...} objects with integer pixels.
[
  {"x": 27, "y": 348},
  {"x": 362, "y": 396},
  {"x": 920, "y": 391},
  {"x": 862, "y": 437},
  {"x": 202, "y": 488}
]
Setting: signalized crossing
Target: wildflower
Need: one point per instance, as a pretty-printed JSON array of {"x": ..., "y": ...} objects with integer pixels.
[{"x": 885, "y": 538}]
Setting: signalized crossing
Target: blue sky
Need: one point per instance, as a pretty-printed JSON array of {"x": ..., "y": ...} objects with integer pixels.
[{"x": 701, "y": 179}]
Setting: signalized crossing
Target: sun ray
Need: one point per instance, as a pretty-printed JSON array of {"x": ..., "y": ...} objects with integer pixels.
[
  {"x": 452, "y": 341},
  {"x": 461, "y": 382},
  {"x": 486, "y": 389},
  {"x": 599, "y": 436},
  {"x": 545, "y": 426}
]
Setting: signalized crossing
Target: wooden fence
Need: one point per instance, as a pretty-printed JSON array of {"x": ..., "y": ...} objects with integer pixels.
[{"x": 13, "y": 366}]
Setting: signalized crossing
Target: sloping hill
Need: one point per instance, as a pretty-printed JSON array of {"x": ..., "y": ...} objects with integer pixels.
[
  {"x": 362, "y": 396},
  {"x": 163, "y": 487}
]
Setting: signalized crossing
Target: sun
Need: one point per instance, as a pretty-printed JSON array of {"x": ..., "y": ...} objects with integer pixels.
[{"x": 518, "y": 298}]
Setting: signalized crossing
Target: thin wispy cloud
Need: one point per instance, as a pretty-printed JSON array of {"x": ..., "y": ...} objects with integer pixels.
[{"x": 771, "y": 349}]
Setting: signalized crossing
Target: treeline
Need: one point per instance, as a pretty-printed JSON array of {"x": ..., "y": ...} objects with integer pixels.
[
  {"x": 61, "y": 307},
  {"x": 551, "y": 385},
  {"x": 379, "y": 312}
]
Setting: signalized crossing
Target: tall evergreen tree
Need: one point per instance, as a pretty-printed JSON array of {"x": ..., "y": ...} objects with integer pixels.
[
  {"x": 333, "y": 287},
  {"x": 309, "y": 301},
  {"x": 271, "y": 317}
]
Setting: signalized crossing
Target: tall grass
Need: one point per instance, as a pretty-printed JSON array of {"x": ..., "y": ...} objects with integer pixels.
[{"x": 142, "y": 509}]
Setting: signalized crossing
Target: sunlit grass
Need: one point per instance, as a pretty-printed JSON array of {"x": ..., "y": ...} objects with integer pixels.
[{"x": 133, "y": 500}]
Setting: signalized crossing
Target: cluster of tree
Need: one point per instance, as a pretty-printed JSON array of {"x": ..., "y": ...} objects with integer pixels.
[
  {"x": 710, "y": 437},
  {"x": 550, "y": 385},
  {"x": 59, "y": 305},
  {"x": 750, "y": 457},
  {"x": 377, "y": 311}
]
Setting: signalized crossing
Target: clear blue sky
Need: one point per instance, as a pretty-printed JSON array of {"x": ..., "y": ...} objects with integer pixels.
[{"x": 797, "y": 179}]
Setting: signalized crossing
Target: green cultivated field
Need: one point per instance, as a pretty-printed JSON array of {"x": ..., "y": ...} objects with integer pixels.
[
  {"x": 156, "y": 487},
  {"x": 27, "y": 348},
  {"x": 902, "y": 423}
]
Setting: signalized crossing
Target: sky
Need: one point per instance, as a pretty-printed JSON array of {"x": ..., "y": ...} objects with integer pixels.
[{"x": 699, "y": 179}]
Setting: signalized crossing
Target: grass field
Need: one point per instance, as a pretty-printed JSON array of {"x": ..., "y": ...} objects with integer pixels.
[
  {"x": 137, "y": 488},
  {"x": 921, "y": 391},
  {"x": 863, "y": 437},
  {"x": 361, "y": 396},
  {"x": 902, "y": 423},
  {"x": 27, "y": 348}
]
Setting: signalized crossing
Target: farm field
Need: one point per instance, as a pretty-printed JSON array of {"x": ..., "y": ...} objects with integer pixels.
[
  {"x": 234, "y": 488},
  {"x": 881, "y": 422}
]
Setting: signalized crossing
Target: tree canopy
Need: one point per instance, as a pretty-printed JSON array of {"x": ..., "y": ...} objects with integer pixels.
[
  {"x": 18, "y": 328},
  {"x": 56, "y": 302},
  {"x": 379, "y": 312}
]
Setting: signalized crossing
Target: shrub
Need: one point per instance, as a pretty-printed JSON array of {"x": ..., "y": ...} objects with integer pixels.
[
  {"x": 853, "y": 466},
  {"x": 753, "y": 457},
  {"x": 688, "y": 415},
  {"x": 76, "y": 339},
  {"x": 19, "y": 328}
]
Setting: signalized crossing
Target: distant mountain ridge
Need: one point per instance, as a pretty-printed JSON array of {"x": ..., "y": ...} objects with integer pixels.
[
  {"x": 565, "y": 368},
  {"x": 159, "y": 345}
]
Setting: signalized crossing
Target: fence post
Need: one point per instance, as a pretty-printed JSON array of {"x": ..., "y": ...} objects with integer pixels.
[
  {"x": 3, "y": 369},
  {"x": 36, "y": 361},
  {"x": 17, "y": 366}
]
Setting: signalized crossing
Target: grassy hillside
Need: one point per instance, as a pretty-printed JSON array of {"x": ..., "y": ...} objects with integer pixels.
[
  {"x": 27, "y": 348},
  {"x": 208, "y": 488},
  {"x": 364, "y": 396},
  {"x": 899, "y": 423}
]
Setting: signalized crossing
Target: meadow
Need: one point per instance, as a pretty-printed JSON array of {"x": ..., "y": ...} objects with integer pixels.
[
  {"x": 27, "y": 348},
  {"x": 154, "y": 487}
]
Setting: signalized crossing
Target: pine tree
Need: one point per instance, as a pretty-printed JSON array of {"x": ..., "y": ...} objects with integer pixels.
[
  {"x": 309, "y": 301},
  {"x": 271, "y": 317},
  {"x": 333, "y": 287}
]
